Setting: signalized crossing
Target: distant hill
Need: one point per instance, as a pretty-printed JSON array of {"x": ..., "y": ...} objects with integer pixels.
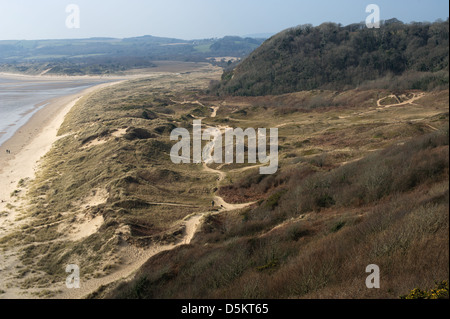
[
  {"x": 331, "y": 56},
  {"x": 235, "y": 45},
  {"x": 259, "y": 35},
  {"x": 110, "y": 55}
]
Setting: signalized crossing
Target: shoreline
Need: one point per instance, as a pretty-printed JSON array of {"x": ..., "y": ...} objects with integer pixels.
[
  {"x": 44, "y": 77},
  {"x": 162, "y": 67},
  {"x": 29, "y": 144},
  {"x": 24, "y": 119}
]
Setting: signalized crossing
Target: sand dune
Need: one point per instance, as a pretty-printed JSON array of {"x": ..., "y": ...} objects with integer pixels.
[{"x": 27, "y": 147}]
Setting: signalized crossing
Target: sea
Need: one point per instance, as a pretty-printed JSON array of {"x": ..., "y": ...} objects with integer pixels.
[{"x": 21, "y": 98}]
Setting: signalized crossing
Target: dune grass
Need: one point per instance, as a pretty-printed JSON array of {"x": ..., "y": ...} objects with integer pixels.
[
  {"x": 352, "y": 190},
  {"x": 317, "y": 252},
  {"x": 353, "y": 181}
]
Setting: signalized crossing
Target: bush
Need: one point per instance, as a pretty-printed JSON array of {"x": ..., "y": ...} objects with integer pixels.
[
  {"x": 394, "y": 170},
  {"x": 337, "y": 227},
  {"x": 439, "y": 292},
  {"x": 405, "y": 56},
  {"x": 274, "y": 199}
]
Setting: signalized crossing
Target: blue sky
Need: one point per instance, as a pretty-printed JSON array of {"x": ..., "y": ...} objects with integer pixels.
[{"x": 195, "y": 19}]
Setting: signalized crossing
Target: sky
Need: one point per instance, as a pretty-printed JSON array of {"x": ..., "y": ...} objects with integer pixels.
[{"x": 194, "y": 19}]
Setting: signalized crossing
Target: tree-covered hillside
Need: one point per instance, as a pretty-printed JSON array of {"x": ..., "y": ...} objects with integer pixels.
[{"x": 331, "y": 56}]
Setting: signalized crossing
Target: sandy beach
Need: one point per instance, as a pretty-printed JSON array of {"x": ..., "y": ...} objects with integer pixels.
[
  {"x": 45, "y": 77},
  {"x": 27, "y": 146},
  {"x": 161, "y": 67},
  {"x": 32, "y": 141}
]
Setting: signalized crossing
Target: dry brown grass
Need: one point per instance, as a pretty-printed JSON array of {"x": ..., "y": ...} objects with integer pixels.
[
  {"x": 356, "y": 186},
  {"x": 116, "y": 140},
  {"x": 288, "y": 251}
]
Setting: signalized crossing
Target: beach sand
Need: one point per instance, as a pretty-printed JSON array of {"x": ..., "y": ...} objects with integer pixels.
[
  {"x": 162, "y": 67},
  {"x": 27, "y": 146},
  {"x": 32, "y": 141}
]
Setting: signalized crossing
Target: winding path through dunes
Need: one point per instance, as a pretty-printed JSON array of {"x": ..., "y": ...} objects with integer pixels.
[
  {"x": 409, "y": 101},
  {"x": 186, "y": 102},
  {"x": 214, "y": 109},
  {"x": 416, "y": 96},
  {"x": 132, "y": 258},
  {"x": 136, "y": 257}
]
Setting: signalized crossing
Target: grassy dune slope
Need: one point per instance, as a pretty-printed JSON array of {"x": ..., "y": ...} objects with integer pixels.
[
  {"x": 109, "y": 183},
  {"x": 363, "y": 179},
  {"x": 359, "y": 184}
]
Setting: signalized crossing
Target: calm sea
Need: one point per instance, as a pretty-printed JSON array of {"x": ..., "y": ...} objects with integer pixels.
[{"x": 21, "y": 98}]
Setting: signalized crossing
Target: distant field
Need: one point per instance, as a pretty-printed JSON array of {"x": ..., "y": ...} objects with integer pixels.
[
  {"x": 105, "y": 56},
  {"x": 203, "y": 48},
  {"x": 176, "y": 66}
]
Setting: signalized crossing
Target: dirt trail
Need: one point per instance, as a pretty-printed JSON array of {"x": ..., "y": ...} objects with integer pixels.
[
  {"x": 187, "y": 102},
  {"x": 23, "y": 167},
  {"x": 214, "y": 109},
  {"x": 284, "y": 124},
  {"x": 218, "y": 200},
  {"x": 221, "y": 174},
  {"x": 136, "y": 257},
  {"x": 416, "y": 96},
  {"x": 173, "y": 204},
  {"x": 132, "y": 257},
  {"x": 410, "y": 101}
]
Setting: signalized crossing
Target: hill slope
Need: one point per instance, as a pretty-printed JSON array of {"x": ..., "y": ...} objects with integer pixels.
[
  {"x": 357, "y": 185},
  {"x": 396, "y": 56}
]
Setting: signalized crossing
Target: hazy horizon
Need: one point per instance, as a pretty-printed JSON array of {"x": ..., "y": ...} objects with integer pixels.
[{"x": 195, "y": 19}]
